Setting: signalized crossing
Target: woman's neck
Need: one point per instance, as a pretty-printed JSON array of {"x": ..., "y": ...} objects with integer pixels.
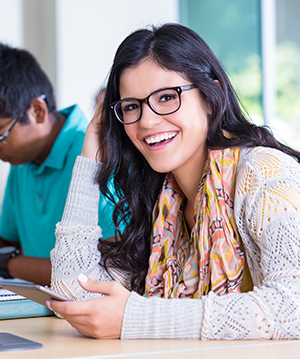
[
  {"x": 188, "y": 180},
  {"x": 190, "y": 188}
]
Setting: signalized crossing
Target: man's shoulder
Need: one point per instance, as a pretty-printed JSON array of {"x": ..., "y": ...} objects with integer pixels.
[
  {"x": 75, "y": 118},
  {"x": 72, "y": 134}
]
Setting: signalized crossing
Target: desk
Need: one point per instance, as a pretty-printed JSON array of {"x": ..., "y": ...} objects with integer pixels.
[{"x": 60, "y": 340}]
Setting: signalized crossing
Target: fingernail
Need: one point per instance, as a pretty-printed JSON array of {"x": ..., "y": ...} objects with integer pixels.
[
  {"x": 48, "y": 305},
  {"x": 82, "y": 278}
]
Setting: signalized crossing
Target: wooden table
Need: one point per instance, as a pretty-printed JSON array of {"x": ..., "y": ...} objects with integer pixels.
[{"x": 60, "y": 340}]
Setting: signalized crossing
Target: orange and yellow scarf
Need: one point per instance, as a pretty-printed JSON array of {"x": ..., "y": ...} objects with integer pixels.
[{"x": 210, "y": 259}]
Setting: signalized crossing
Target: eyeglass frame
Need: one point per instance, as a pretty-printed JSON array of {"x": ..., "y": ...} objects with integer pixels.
[
  {"x": 6, "y": 133},
  {"x": 14, "y": 121},
  {"x": 178, "y": 89}
]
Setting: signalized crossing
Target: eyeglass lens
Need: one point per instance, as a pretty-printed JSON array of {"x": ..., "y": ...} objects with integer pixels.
[
  {"x": 162, "y": 102},
  {"x": 6, "y": 133}
]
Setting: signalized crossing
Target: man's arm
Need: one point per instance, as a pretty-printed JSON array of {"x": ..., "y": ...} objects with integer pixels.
[
  {"x": 4, "y": 243},
  {"x": 32, "y": 269}
]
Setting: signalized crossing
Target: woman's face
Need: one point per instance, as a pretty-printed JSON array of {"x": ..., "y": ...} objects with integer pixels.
[{"x": 170, "y": 143}]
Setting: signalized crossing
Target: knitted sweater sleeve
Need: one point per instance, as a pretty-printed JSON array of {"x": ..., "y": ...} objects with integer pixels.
[
  {"x": 77, "y": 234},
  {"x": 76, "y": 251},
  {"x": 267, "y": 203},
  {"x": 267, "y": 207}
]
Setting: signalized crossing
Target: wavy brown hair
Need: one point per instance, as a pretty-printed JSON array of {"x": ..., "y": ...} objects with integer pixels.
[{"x": 175, "y": 48}]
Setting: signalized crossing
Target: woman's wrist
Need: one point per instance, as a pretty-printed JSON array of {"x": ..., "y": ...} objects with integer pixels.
[{"x": 90, "y": 146}]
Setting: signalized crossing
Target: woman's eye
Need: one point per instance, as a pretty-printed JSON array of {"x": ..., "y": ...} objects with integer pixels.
[
  {"x": 130, "y": 107},
  {"x": 167, "y": 97}
]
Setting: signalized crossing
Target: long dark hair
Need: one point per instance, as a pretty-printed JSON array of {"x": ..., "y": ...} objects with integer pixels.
[{"x": 175, "y": 48}]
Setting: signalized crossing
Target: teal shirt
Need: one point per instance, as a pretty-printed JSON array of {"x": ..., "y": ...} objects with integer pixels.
[{"x": 35, "y": 195}]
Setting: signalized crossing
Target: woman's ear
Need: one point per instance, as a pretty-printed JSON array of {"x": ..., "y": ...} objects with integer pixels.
[
  {"x": 218, "y": 82},
  {"x": 38, "y": 110}
]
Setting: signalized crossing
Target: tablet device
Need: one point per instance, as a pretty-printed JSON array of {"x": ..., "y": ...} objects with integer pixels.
[
  {"x": 13, "y": 342},
  {"x": 34, "y": 292}
]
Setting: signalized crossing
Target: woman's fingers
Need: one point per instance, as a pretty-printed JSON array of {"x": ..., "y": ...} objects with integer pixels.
[
  {"x": 68, "y": 308},
  {"x": 96, "y": 286},
  {"x": 98, "y": 318},
  {"x": 91, "y": 144}
]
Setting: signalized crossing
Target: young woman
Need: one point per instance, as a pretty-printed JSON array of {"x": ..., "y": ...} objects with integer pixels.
[{"x": 209, "y": 202}]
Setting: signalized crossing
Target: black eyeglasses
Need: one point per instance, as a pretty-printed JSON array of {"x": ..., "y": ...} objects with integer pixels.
[
  {"x": 14, "y": 121},
  {"x": 6, "y": 133},
  {"x": 161, "y": 102}
]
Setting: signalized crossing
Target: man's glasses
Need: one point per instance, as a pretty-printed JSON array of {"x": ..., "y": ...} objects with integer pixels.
[
  {"x": 161, "y": 102},
  {"x": 14, "y": 121},
  {"x": 6, "y": 133}
]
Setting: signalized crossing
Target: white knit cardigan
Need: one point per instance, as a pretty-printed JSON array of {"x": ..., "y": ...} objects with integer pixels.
[{"x": 266, "y": 207}]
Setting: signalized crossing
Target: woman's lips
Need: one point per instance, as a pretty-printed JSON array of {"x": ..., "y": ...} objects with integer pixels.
[{"x": 160, "y": 138}]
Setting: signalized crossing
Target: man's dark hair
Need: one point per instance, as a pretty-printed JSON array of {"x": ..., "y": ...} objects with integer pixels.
[{"x": 21, "y": 80}]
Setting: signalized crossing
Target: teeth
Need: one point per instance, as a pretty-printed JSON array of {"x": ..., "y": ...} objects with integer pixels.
[{"x": 159, "y": 138}]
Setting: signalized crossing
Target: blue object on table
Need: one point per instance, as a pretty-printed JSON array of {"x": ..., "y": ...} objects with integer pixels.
[{"x": 22, "y": 308}]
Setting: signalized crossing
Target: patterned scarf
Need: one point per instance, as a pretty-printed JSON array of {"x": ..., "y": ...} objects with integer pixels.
[{"x": 211, "y": 258}]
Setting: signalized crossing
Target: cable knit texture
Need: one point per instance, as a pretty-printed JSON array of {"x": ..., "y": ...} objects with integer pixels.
[
  {"x": 77, "y": 234},
  {"x": 266, "y": 206}
]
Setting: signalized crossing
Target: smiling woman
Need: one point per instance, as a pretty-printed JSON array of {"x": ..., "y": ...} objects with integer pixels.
[
  {"x": 174, "y": 140},
  {"x": 210, "y": 203}
]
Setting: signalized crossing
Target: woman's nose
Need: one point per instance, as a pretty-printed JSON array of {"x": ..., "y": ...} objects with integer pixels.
[{"x": 149, "y": 118}]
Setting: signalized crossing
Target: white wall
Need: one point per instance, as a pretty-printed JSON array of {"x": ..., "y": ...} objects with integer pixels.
[
  {"x": 11, "y": 23},
  {"x": 75, "y": 41},
  {"x": 88, "y": 36}
]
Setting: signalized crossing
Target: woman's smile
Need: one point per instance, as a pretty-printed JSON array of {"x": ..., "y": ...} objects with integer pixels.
[
  {"x": 175, "y": 142},
  {"x": 159, "y": 140}
]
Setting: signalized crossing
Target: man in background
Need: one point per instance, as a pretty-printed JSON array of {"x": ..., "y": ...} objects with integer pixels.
[{"x": 41, "y": 144}]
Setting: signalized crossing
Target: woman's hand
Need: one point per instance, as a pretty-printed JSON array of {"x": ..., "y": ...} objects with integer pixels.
[
  {"x": 90, "y": 148},
  {"x": 98, "y": 318}
]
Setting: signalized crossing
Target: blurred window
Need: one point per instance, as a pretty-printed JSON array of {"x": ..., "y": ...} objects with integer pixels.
[
  {"x": 288, "y": 71},
  {"x": 233, "y": 29}
]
